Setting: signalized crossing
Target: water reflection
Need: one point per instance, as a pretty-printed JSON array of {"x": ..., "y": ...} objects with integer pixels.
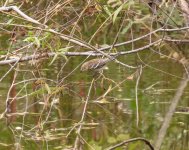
[
  {"x": 112, "y": 118},
  {"x": 50, "y": 100}
]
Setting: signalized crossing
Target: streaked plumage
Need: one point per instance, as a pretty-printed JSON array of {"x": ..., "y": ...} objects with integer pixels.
[{"x": 95, "y": 64}]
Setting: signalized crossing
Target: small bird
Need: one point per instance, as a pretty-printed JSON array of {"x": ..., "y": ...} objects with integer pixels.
[{"x": 96, "y": 64}]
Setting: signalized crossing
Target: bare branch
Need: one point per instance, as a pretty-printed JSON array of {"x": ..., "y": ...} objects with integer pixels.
[
  {"x": 16, "y": 9},
  {"x": 90, "y": 53},
  {"x": 76, "y": 145},
  {"x": 132, "y": 140}
]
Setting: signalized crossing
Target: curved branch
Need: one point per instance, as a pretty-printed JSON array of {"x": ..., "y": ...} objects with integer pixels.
[
  {"x": 132, "y": 140},
  {"x": 16, "y": 9}
]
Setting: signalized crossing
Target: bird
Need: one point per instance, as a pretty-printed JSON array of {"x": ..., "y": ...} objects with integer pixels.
[{"x": 97, "y": 64}]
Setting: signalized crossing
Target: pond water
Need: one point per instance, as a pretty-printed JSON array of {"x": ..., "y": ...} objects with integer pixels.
[{"x": 51, "y": 96}]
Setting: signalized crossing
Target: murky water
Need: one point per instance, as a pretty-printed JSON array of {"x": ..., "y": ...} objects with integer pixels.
[{"x": 48, "y": 113}]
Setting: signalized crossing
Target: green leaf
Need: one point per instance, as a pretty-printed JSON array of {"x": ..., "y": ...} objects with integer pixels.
[
  {"x": 127, "y": 27},
  {"x": 116, "y": 13},
  {"x": 37, "y": 42},
  {"x": 39, "y": 91},
  {"x": 47, "y": 88},
  {"x": 114, "y": 3},
  {"x": 128, "y": 4},
  {"x": 30, "y": 33},
  {"x": 64, "y": 56},
  {"x": 28, "y": 39},
  {"x": 61, "y": 52},
  {"x": 10, "y": 21},
  {"x": 65, "y": 49},
  {"x": 54, "y": 58},
  {"x": 33, "y": 39},
  {"x": 106, "y": 9}
]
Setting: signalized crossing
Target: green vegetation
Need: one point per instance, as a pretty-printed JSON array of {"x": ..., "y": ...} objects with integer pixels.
[{"x": 49, "y": 102}]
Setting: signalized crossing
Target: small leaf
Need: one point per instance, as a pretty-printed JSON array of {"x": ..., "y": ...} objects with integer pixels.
[
  {"x": 47, "y": 88},
  {"x": 30, "y": 33},
  {"x": 28, "y": 39},
  {"x": 37, "y": 42},
  {"x": 114, "y": 3},
  {"x": 116, "y": 13},
  {"x": 65, "y": 57},
  {"x": 61, "y": 52},
  {"x": 33, "y": 39},
  {"x": 127, "y": 27},
  {"x": 108, "y": 90},
  {"x": 103, "y": 101},
  {"x": 107, "y": 11},
  {"x": 54, "y": 58},
  {"x": 10, "y": 21},
  {"x": 65, "y": 49}
]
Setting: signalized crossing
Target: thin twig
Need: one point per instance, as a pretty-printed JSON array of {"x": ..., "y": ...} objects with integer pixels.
[
  {"x": 132, "y": 140},
  {"x": 136, "y": 93},
  {"x": 76, "y": 145},
  {"x": 12, "y": 67},
  {"x": 91, "y": 53},
  {"x": 16, "y": 9},
  {"x": 63, "y": 36}
]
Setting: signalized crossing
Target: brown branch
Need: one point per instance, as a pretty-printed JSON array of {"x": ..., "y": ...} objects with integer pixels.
[
  {"x": 176, "y": 40},
  {"x": 144, "y": 36},
  {"x": 77, "y": 41},
  {"x": 26, "y": 58},
  {"x": 132, "y": 140},
  {"x": 63, "y": 36},
  {"x": 142, "y": 48},
  {"x": 90, "y": 53},
  {"x": 46, "y": 28},
  {"x": 77, "y": 141},
  {"x": 16, "y": 9},
  {"x": 50, "y": 54}
]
